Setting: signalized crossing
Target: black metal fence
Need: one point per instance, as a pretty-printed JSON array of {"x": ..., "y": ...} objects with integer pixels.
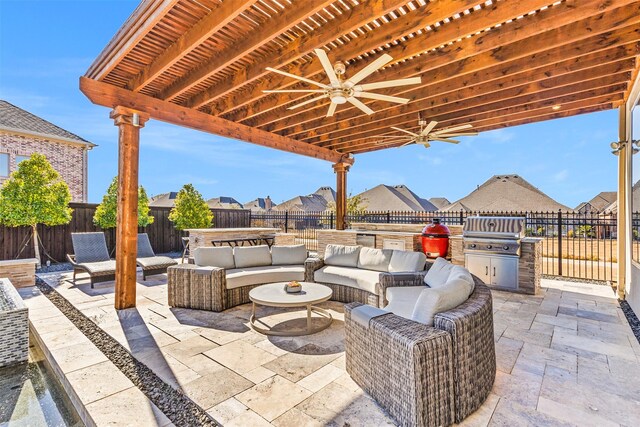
[{"x": 579, "y": 245}]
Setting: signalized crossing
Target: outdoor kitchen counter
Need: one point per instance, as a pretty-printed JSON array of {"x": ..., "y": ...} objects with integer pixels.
[
  {"x": 204, "y": 236},
  {"x": 411, "y": 241}
]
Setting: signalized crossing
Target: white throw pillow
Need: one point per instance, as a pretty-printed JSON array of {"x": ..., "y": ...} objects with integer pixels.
[
  {"x": 341, "y": 256},
  {"x": 214, "y": 257},
  {"x": 252, "y": 256},
  {"x": 438, "y": 300},
  {"x": 374, "y": 259},
  {"x": 461, "y": 273},
  {"x": 288, "y": 255},
  {"x": 406, "y": 261},
  {"x": 439, "y": 272}
]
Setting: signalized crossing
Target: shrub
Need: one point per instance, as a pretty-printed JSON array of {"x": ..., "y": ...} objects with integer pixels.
[{"x": 190, "y": 210}]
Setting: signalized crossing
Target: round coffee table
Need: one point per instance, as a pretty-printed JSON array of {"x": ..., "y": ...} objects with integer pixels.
[{"x": 274, "y": 295}]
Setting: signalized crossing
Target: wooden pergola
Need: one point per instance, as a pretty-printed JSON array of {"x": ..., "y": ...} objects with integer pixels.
[{"x": 493, "y": 64}]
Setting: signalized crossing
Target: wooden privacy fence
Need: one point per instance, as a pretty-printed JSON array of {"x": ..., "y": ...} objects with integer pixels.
[{"x": 56, "y": 241}]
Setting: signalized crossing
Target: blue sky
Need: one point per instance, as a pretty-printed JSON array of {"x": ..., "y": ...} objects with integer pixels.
[{"x": 45, "y": 46}]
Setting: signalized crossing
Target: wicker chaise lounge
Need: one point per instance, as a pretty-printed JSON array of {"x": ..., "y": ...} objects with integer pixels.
[
  {"x": 424, "y": 375},
  {"x": 91, "y": 256},
  {"x": 150, "y": 262}
]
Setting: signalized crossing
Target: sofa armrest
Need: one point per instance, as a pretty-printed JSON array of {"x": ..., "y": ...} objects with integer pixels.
[
  {"x": 392, "y": 280},
  {"x": 311, "y": 264},
  {"x": 197, "y": 287}
]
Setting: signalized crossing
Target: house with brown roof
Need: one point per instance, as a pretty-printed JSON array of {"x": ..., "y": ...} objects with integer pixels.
[
  {"x": 164, "y": 200},
  {"x": 23, "y": 133},
  {"x": 260, "y": 205},
  {"x": 599, "y": 203},
  {"x": 506, "y": 193},
  {"x": 400, "y": 198},
  {"x": 317, "y": 201},
  {"x": 224, "y": 202},
  {"x": 440, "y": 202}
]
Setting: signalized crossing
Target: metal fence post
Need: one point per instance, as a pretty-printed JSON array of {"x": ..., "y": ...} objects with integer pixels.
[
  {"x": 559, "y": 242},
  {"x": 331, "y": 221},
  {"x": 286, "y": 221},
  {"x": 388, "y": 217},
  {"x": 461, "y": 217}
]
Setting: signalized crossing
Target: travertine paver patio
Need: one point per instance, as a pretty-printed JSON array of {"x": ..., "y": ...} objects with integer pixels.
[{"x": 565, "y": 357}]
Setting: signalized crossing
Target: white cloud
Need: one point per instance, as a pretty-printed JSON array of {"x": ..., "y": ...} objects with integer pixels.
[{"x": 561, "y": 175}]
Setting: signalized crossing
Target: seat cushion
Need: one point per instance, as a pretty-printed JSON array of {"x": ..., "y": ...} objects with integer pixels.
[
  {"x": 214, "y": 257},
  {"x": 374, "y": 259},
  {"x": 438, "y": 274},
  {"x": 407, "y": 261},
  {"x": 341, "y": 256},
  {"x": 154, "y": 262},
  {"x": 248, "y": 276},
  {"x": 101, "y": 268},
  {"x": 288, "y": 255},
  {"x": 348, "y": 276},
  {"x": 438, "y": 300},
  {"x": 252, "y": 256},
  {"x": 402, "y": 299}
]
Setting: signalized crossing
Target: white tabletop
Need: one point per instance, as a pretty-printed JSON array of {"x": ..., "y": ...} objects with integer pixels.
[{"x": 274, "y": 295}]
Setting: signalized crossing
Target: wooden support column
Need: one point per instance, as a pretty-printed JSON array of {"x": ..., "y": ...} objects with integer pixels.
[
  {"x": 129, "y": 123},
  {"x": 624, "y": 187},
  {"x": 341, "y": 170}
]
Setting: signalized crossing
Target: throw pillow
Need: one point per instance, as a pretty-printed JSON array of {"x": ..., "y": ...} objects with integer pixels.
[
  {"x": 374, "y": 259},
  {"x": 438, "y": 300},
  {"x": 341, "y": 256},
  {"x": 253, "y": 256},
  {"x": 459, "y": 272},
  {"x": 288, "y": 255},
  {"x": 406, "y": 261},
  {"x": 214, "y": 257},
  {"x": 439, "y": 272}
]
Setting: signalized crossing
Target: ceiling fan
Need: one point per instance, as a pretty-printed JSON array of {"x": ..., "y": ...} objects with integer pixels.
[
  {"x": 427, "y": 134},
  {"x": 341, "y": 90}
]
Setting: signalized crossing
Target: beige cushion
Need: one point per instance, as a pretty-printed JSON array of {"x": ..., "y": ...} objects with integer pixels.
[
  {"x": 240, "y": 277},
  {"x": 402, "y": 299},
  {"x": 405, "y": 261},
  {"x": 438, "y": 274},
  {"x": 348, "y": 276},
  {"x": 374, "y": 259},
  {"x": 214, "y": 257},
  {"x": 340, "y": 255},
  {"x": 461, "y": 273},
  {"x": 288, "y": 255},
  {"x": 438, "y": 300},
  {"x": 252, "y": 256}
]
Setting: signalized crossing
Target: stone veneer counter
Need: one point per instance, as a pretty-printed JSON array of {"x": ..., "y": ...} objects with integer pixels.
[
  {"x": 203, "y": 236},
  {"x": 412, "y": 241}
]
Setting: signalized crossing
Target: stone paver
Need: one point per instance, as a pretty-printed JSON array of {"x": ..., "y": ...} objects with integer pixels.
[{"x": 564, "y": 357}]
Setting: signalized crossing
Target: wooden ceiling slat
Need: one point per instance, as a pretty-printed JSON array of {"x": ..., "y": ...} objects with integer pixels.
[
  {"x": 205, "y": 28},
  {"x": 473, "y": 54},
  {"x": 276, "y": 26}
]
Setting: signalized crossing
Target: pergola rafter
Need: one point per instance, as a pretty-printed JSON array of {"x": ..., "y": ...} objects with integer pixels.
[{"x": 493, "y": 64}]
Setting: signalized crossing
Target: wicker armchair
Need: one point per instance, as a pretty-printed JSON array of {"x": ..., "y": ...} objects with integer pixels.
[{"x": 420, "y": 358}]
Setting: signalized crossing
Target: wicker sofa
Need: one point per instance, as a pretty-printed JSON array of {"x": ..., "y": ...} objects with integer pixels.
[
  {"x": 425, "y": 375},
  {"x": 359, "y": 274},
  {"x": 221, "y": 277}
]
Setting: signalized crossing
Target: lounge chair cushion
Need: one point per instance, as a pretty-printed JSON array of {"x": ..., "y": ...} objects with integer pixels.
[
  {"x": 406, "y": 261},
  {"x": 214, "y": 257},
  {"x": 89, "y": 247},
  {"x": 101, "y": 268},
  {"x": 374, "y": 259},
  {"x": 348, "y": 276},
  {"x": 402, "y": 299},
  {"x": 341, "y": 256},
  {"x": 288, "y": 255},
  {"x": 437, "y": 300},
  {"x": 154, "y": 262},
  {"x": 438, "y": 274},
  {"x": 248, "y": 276},
  {"x": 144, "y": 246},
  {"x": 252, "y": 256}
]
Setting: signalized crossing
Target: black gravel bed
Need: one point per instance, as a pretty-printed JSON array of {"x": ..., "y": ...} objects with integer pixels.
[
  {"x": 53, "y": 268},
  {"x": 181, "y": 410},
  {"x": 633, "y": 320}
]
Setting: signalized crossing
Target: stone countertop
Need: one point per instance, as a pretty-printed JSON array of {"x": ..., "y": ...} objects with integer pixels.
[
  {"x": 233, "y": 230},
  {"x": 531, "y": 239},
  {"x": 18, "y": 261},
  {"x": 374, "y": 232}
]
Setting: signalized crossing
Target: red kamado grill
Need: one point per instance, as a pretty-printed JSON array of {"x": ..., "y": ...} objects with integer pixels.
[{"x": 435, "y": 239}]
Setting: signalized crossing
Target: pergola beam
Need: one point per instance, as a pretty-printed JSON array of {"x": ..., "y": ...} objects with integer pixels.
[
  {"x": 289, "y": 18},
  {"x": 215, "y": 20},
  {"x": 110, "y": 96}
]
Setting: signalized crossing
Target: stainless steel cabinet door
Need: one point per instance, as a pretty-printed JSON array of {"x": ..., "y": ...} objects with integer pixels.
[
  {"x": 479, "y": 265},
  {"x": 504, "y": 272}
]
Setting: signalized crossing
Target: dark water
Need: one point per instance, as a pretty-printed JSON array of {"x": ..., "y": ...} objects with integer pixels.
[{"x": 31, "y": 396}]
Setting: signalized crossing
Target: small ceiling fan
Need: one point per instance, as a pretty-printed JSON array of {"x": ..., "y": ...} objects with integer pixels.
[
  {"x": 427, "y": 134},
  {"x": 341, "y": 90}
]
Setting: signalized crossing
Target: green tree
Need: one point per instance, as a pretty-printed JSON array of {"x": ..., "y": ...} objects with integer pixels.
[
  {"x": 106, "y": 212},
  {"x": 35, "y": 194},
  {"x": 190, "y": 210},
  {"x": 356, "y": 205}
]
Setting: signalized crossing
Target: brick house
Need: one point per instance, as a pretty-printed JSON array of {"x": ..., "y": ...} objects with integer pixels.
[{"x": 22, "y": 134}]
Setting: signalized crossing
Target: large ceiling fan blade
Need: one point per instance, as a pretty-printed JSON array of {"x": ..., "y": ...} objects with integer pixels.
[
  {"x": 392, "y": 136},
  {"x": 308, "y": 101},
  {"x": 332, "y": 109},
  {"x": 295, "y": 91},
  {"x": 328, "y": 67},
  {"x": 369, "y": 69},
  {"x": 452, "y": 141},
  {"x": 357, "y": 103},
  {"x": 453, "y": 129},
  {"x": 304, "y": 79},
  {"x": 405, "y": 131},
  {"x": 380, "y": 97},
  {"x": 447, "y": 135},
  {"x": 392, "y": 83},
  {"x": 429, "y": 128}
]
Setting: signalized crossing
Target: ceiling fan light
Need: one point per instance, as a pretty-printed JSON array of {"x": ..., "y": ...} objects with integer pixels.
[{"x": 338, "y": 99}]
